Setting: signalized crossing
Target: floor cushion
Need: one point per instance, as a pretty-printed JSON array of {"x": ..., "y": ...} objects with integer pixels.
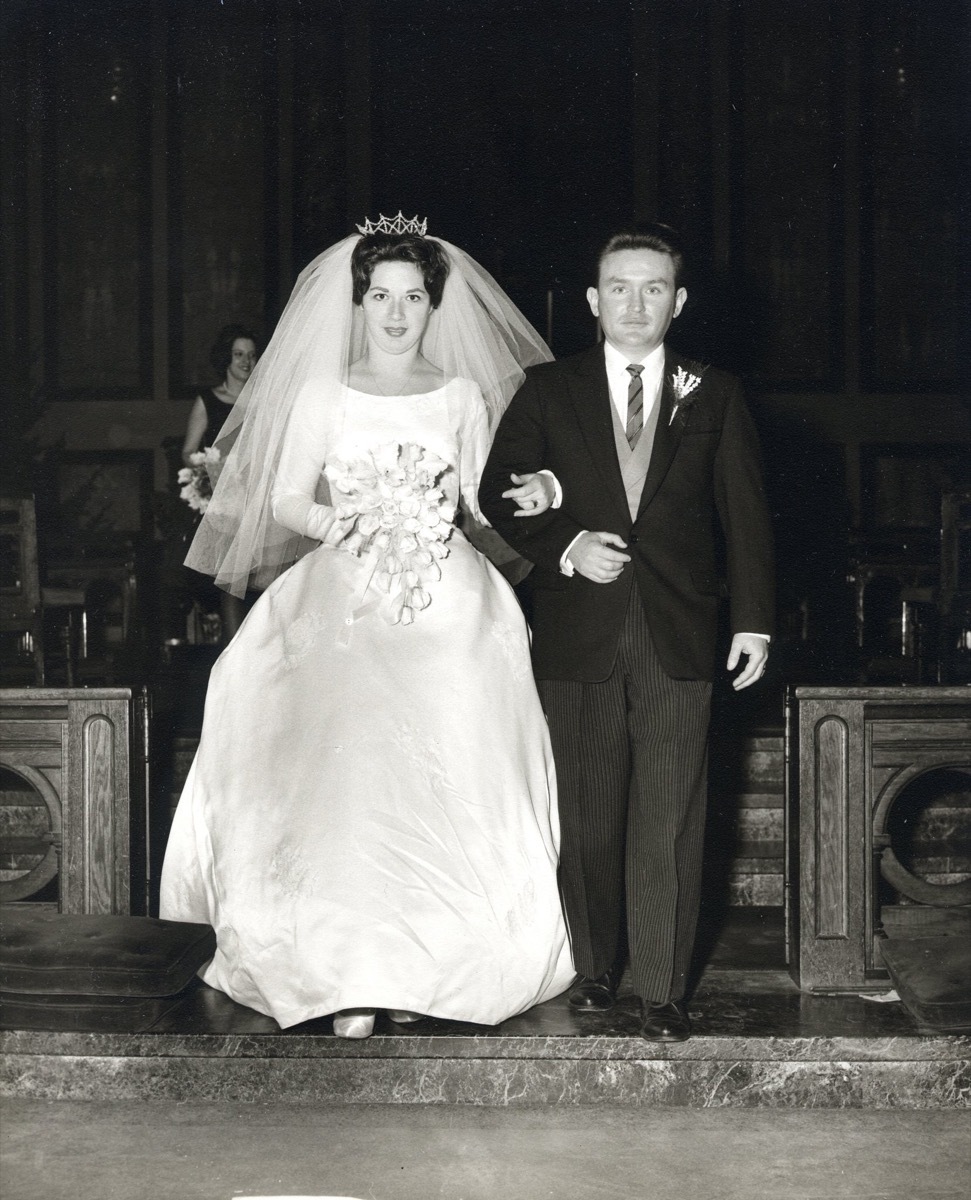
[
  {"x": 932, "y": 976},
  {"x": 60, "y": 971}
]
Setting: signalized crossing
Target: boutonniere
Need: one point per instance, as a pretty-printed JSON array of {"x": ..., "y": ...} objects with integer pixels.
[{"x": 684, "y": 385}]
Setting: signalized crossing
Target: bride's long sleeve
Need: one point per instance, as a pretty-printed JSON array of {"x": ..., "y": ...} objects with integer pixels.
[
  {"x": 474, "y": 445},
  {"x": 301, "y": 464},
  {"x": 474, "y": 441}
]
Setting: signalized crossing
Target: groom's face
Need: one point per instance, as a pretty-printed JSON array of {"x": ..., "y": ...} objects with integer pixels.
[{"x": 636, "y": 299}]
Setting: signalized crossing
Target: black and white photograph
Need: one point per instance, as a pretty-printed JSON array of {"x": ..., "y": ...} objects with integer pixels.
[{"x": 485, "y": 600}]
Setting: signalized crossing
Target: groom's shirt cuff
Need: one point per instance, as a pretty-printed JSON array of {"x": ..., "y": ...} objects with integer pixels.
[
  {"x": 557, "y": 490},
  {"x": 566, "y": 567}
]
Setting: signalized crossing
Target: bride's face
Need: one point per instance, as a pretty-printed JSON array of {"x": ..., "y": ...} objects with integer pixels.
[{"x": 396, "y": 307}]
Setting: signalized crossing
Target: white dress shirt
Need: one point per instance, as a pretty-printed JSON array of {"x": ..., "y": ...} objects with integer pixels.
[
  {"x": 618, "y": 384},
  {"x": 618, "y": 379}
]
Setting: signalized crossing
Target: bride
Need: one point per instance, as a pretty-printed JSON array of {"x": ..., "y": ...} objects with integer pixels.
[{"x": 370, "y": 819}]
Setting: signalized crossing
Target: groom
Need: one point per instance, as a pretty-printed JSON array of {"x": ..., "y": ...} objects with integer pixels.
[{"x": 651, "y": 463}]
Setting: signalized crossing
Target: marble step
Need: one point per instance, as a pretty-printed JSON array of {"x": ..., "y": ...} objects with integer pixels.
[
  {"x": 755, "y": 764},
  {"x": 749, "y": 889},
  {"x": 719, "y": 799},
  {"x": 758, "y": 1043},
  {"x": 756, "y": 874},
  {"x": 759, "y": 824}
]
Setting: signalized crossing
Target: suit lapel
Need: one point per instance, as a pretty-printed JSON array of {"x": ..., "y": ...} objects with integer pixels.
[
  {"x": 666, "y": 439},
  {"x": 591, "y": 403}
]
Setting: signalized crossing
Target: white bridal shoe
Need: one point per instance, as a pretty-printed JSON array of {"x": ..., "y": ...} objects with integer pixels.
[
  {"x": 354, "y": 1023},
  {"x": 401, "y": 1016}
]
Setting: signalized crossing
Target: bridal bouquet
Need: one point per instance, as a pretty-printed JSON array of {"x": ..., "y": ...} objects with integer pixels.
[
  {"x": 391, "y": 494},
  {"x": 196, "y": 480}
]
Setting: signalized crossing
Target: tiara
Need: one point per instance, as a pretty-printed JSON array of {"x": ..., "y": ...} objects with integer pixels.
[{"x": 398, "y": 224}]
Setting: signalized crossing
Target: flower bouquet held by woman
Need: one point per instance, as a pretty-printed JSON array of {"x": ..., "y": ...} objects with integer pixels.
[
  {"x": 370, "y": 820},
  {"x": 233, "y": 356}
]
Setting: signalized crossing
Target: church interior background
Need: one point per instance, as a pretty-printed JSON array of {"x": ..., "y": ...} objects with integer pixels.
[{"x": 168, "y": 167}]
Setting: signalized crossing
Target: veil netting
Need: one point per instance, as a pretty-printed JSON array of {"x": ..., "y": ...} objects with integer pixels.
[{"x": 475, "y": 333}]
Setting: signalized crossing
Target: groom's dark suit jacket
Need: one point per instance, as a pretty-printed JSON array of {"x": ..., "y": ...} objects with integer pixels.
[{"x": 702, "y": 529}]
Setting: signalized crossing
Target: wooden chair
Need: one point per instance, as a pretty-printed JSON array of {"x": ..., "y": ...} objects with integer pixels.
[{"x": 22, "y": 598}]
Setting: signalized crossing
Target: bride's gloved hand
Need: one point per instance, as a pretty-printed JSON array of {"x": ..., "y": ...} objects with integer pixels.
[
  {"x": 324, "y": 524},
  {"x": 305, "y": 516},
  {"x": 534, "y": 493}
]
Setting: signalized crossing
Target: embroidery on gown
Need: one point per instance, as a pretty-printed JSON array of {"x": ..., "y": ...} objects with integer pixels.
[
  {"x": 514, "y": 646},
  {"x": 520, "y": 913},
  {"x": 296, "y": 876},
  {"x": 423, "y": 754},
  {"x": 300, "y": 636}
]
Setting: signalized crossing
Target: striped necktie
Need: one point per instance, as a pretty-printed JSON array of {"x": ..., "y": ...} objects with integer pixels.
[{"x": 635, "y": 404}]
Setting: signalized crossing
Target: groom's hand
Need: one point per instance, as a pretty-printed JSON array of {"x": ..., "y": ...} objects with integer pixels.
[
  {"x": 757, "y": 650},
  {"x": 595, "y": 557},
  {"x": 534, "y": 493}
]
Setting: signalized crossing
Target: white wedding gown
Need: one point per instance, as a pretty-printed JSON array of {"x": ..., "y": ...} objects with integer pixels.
[{"x": 370, "y": 819}]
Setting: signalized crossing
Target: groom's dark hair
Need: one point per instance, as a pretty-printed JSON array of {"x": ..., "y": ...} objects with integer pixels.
[{"x": 650, "y": 235}]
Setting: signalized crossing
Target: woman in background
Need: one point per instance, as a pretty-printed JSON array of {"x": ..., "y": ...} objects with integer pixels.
[{"x": 233, "y": 357}]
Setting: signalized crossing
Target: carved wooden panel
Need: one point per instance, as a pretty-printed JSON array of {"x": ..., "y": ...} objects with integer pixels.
[
  {"x": 857, "y": 748},
  {"x": 832, "y": 814},
  {"x": 831, "y": 841},
  {"x": 77, "y": 743}
]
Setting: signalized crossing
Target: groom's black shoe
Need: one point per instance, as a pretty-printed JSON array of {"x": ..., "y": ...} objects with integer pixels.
[
  {"x": 665, "y": 1022},
  {"x": 594, "y": 995}
]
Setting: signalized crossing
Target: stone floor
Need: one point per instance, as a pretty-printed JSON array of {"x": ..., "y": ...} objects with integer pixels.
[
  {"x": 758, "y": 1043},
  {"x": 92, "y": 1150},
  {"x": 778, "y": 1096}
]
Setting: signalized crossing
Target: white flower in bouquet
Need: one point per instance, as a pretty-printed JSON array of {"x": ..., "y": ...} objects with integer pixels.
[
  {"x": 391, "y": 497},
  {"x": 196, "y": 479}
]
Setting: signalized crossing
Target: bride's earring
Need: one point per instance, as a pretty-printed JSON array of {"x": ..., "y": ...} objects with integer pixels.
[{"x": 354, "y": 1023}]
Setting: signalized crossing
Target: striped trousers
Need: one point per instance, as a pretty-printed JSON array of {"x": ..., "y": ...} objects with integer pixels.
[{"x": 631, "y": 761}]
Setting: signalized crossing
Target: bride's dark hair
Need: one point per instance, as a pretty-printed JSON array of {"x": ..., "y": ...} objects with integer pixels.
[{"x": 428, "y": 256}]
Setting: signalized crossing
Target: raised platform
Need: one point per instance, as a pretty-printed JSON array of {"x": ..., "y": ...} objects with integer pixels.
[{"x": 758, "y": 1042}]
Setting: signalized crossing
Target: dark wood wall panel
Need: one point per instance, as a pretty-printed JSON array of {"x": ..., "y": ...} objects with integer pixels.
[
  {"x": 516, "y": 146},
  {"x": 915, "y": 235},
  {"x": 218, "y": 182},
  {"x": 194, "y": 157},
  {"x": 21, "y": 98},
  {"x": 97, "y": 264},
  {"x": 317, "y": 120},
  {"x": 787, "y": 170},
  {"x": 684, "y": 183}
]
